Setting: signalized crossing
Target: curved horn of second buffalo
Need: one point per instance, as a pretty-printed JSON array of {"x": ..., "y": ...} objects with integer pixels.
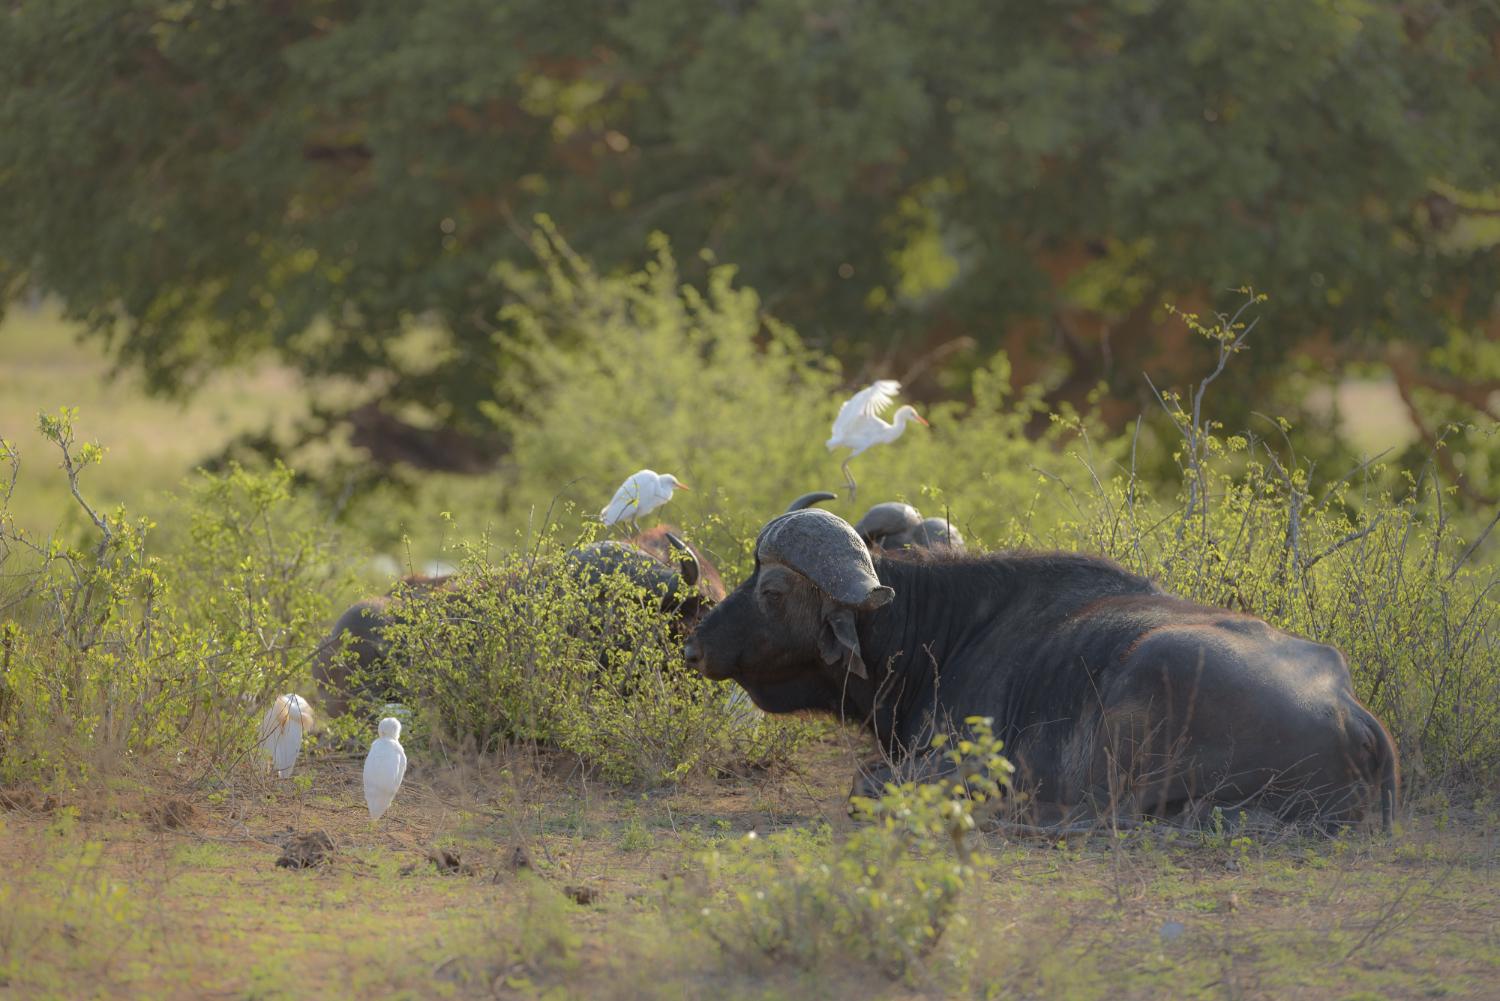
[
  {"x": 808, "y": 500},
  {"x": 688, "y": 564},
  {"x": 825, "y": 549}
]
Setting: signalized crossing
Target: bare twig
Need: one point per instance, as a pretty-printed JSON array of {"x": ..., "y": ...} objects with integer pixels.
[
  {"x": 1464, "y": 558},
  {"x": 1352, "y": 537}
]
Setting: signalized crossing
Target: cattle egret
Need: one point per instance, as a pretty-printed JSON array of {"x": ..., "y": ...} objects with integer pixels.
[
  {"x": 281, "y": 732},
  {"x": 859, "y": 424},
  {"x": 639, "y": 495},
  {"x": 385, "y": 767}
]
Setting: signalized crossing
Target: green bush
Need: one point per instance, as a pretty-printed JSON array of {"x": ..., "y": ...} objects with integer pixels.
[
  {"x": 529, "y": 649},
  {"x": 644, "y": 370},
  {"x": 1386, "y": 566},
  {"x": 114, "y": 652},
  {"x": 883, "y": 896},
  {"x": 117, "y": 654}
]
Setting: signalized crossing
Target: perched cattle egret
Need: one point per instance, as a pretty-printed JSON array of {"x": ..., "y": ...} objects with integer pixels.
[
  {"x": 859, "y": 424},
  {"x": 385, "y": 767},
  {"x": 639, "y": 495},
  {"x": 281, "y": 732}
]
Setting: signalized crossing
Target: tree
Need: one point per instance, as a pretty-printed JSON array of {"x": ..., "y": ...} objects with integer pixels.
[{"x": 201, "y": 180}]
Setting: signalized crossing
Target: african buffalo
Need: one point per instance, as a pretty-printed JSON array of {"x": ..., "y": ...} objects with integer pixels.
[{"x": 1113, "y": 698}]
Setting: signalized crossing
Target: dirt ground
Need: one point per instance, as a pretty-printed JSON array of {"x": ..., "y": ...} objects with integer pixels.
[{"x": 525, "y": 878}]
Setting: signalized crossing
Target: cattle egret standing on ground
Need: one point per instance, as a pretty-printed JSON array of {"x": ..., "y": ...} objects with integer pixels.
[
  {"x": 281, "y": 732},
  {"x": 385, "y": 767},
  {"x": 859, "y": 424},
  {"x": 639, "y": 495}
]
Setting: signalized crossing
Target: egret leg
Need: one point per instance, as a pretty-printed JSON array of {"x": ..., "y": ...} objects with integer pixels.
[{"x": 849, "y": 479}]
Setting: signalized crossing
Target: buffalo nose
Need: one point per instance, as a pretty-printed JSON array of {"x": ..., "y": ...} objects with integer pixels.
[{"x": 692, "y": 654}]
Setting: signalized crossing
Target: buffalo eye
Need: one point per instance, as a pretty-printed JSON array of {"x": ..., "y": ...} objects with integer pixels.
[{"x": 772, "y": 593}]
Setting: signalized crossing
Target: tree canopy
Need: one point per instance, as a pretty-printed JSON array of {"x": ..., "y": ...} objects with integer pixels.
[{"x": 203, "y": 180}]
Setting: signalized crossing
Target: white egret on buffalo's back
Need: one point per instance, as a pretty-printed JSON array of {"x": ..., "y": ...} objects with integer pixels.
[
  {"x": 639, "y": 495},
  {"x": 281, "y": 732},
  {"x": 385, "y": 767},
  {"x": 859, "y": 424}
]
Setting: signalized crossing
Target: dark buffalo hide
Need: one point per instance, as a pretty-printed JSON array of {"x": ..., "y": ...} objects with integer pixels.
[{"x": 1112, "y": 698}]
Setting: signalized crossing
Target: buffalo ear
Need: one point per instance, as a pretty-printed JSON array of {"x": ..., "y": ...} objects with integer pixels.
[{"x": 838, "y": 642}]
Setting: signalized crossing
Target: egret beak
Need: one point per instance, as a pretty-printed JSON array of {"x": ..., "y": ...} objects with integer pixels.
[
  {"x": 683, "y": 486},
  {"x": 922, "y": 420}
]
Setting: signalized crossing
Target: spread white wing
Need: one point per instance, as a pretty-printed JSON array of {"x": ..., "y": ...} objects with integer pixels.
[{"x": 863, "y": 407}]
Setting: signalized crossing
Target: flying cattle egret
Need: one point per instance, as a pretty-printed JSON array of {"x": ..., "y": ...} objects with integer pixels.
[
  {"x": 640, "y": 494},
  {"x": 281, "y": 732},
  {"x": 385, "y": 767},
  {"x": 859, "y": 424}
]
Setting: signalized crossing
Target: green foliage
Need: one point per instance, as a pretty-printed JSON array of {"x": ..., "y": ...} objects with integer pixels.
[
  {"x": 322, "y": 178},
  {"x": 530, "y": 649},
  {"x": 881, "y": 897},
  {"x": 113, "y": 647},
  {"x": 118, "y": 651},
  {"x": 646, "y": 370}
]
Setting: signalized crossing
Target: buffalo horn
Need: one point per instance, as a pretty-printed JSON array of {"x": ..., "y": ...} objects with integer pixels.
[
  {"x": 823, "y": 548},
  {"x": 688, "y": 563},
  {"x": 808, "y": 500}
]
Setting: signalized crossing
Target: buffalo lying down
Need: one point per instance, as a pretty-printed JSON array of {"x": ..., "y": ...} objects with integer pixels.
[{"x": 1111, "y": 697}]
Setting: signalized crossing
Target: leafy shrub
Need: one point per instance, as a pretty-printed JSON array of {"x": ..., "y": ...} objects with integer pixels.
[
  {"x": 113, "y": 651},
  {"x": 643, "y": 370},
  {"x": 882, "y": 897},
  {"x": 529, "y": 649},
  {"x": 114, "y": 647},
  {"x": 118, "y": 653}
]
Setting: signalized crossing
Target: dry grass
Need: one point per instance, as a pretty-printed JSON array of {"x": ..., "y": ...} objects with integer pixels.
[{"x": 116, "y": 903}]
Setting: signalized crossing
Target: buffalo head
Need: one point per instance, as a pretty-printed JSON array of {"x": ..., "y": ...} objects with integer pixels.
[
  {"x": 680, "y": 589},
  {"x": 793, "y": 621},
  {"x": 894, "y": 525}
]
